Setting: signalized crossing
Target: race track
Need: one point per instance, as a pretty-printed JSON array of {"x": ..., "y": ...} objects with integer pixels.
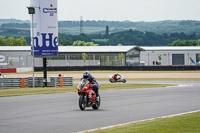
[{"x": 59, "y": 113}]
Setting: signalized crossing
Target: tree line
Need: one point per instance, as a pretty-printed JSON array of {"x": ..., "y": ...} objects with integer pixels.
[
  {"x": 158, "y": 27},
  {"x": 129, "y": 37},
  {"x": 185, "y": 43},
  {"x": 11, "y": 41},
  {"x": 15, "y": 25}
]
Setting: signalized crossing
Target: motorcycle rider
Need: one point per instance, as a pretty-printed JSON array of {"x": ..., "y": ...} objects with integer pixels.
[
  {"x": 92, "y": 80},
  {"x": 115, "y": 77}
]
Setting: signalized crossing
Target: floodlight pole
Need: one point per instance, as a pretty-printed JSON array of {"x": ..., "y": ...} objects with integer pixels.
[
  {"x": 33, "y": 52},
  {"x": 31, "y": 11}
]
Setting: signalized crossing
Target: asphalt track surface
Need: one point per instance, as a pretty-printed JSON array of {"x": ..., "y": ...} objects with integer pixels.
[{"x": 59, "y": 113}]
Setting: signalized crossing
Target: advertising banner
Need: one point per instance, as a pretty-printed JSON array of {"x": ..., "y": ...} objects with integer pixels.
[{"x": 44, "y": 29}]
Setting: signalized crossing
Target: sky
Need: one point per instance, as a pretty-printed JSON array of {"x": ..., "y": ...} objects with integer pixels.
[{"x": 111, "y": 10}]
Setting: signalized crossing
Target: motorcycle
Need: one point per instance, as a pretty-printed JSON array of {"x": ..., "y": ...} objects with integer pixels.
[
  {"x": 87, "y": 97},
  {"x": 119, "y": 79}
]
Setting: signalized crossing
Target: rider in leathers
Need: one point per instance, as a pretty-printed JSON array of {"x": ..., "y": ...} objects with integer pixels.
[{"x": 92, "y": 80}]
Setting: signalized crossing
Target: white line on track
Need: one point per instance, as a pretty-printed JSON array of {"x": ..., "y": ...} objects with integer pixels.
[
  {"x": 181, "y": 86},
  {"x": 167, "y": 116}
]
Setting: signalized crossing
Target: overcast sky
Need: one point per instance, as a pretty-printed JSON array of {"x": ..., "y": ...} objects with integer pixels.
[{"x": 116, "y": 10}]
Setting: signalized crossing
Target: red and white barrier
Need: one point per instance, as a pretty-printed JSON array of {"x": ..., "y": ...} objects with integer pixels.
[
  {"x": 8, "y": 70},
  {"x": 16, "y": 70}
]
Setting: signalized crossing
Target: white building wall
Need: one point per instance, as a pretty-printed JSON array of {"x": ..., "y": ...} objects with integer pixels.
[{"x": 149, "y": 56}]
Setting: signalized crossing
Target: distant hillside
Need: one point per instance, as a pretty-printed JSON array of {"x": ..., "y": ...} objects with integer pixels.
[
  {"x": 94, "y": 27},
  {"x": 4, "y": 21},
  {"x": 112, "y": 32}
]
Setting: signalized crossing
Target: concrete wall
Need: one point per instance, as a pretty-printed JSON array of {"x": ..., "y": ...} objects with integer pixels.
[{"x": 24, "y": 69}]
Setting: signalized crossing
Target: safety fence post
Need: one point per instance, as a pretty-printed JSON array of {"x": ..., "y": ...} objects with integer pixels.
[
  {"x": 61, "y": 81},
  {"x": 22, "y": 82}
]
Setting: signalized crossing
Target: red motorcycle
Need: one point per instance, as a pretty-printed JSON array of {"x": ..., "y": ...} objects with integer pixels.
[{"x": 87, "y": 97}]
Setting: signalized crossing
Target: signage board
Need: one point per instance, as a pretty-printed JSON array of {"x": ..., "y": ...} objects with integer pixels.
[{"x": 44, "y": 29}]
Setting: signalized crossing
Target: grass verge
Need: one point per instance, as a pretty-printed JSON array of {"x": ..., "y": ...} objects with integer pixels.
[
  {"x": 151, "y": 79},
  {"x": 50, "y": 90},
  {"x": 131, "y": 86},
  {"x": 188, "y": 123},
  {"x": 163, "y": 79}
]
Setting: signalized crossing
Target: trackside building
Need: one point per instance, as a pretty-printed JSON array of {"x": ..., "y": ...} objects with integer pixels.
[
  {"x": 20, "y": 56},
  {"x": 170, "y": 55}
]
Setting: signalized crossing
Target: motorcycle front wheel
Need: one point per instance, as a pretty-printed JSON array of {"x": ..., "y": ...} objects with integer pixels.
[
  {"x": 82, "y": 102},
  {"x": 124, "y": 81}
]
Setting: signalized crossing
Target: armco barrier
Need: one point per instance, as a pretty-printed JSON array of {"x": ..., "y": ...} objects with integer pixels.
[
  {"x": 13, "y": 82},
  {"x": 121, "y": 68},
  {"x": 27, "y": 82},
  {"x": 66, "y": 81},
  {"x": 38, "y": 81}
]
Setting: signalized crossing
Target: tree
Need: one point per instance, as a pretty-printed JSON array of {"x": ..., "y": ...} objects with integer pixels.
[
  {"x": 82, "y": 43},
  {"x": 198, "y": 42},
  {"x": 11, "y": 62},
  {"x": 91, "y": 44},
  {"x": 78, "y": 43},
  {"x": 185, "y": 43},
  {"x": 65, "y": 42},
  {"x": 160, "y": 57},
  {"x": 199, "y": 56},
  {"x": 121, "y": 57},
  {"x": 2, "y": 42},
  {"x": 20, "y": 42},
  {"x": 107, "y": 31},
  {"x": 84, "y": 57},
  {"x": 10, "y": 41},
  {"x": 119, "y": 44}
]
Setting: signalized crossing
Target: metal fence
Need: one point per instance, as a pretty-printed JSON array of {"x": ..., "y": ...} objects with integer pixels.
[
  {"x": 12, "y": 82},
  {"x": 67, "y": 81},
  {"x": 121, "y": 68},
  {"x": 39, "y": 82}
]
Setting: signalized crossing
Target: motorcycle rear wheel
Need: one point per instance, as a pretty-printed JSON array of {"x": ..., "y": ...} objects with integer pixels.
[
  {"x": 98, "y": 103},
  {"x": 82, "y": 102}
]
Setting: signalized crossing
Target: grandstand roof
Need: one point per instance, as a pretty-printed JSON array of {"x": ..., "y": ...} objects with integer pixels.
[{"x": 172, "y": 48}]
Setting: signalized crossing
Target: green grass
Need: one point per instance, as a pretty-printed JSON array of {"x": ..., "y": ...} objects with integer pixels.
[
  {"x": 34, "y": 91},
  {"x": 49, "y": 90},
  {"x": 121, "y": 72},
  {"x": 131, "y": 86},
  {"x": 161, "y": 79},
  {"x": 150, "y": 79},
  {"x": 189, "y": 123}
]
